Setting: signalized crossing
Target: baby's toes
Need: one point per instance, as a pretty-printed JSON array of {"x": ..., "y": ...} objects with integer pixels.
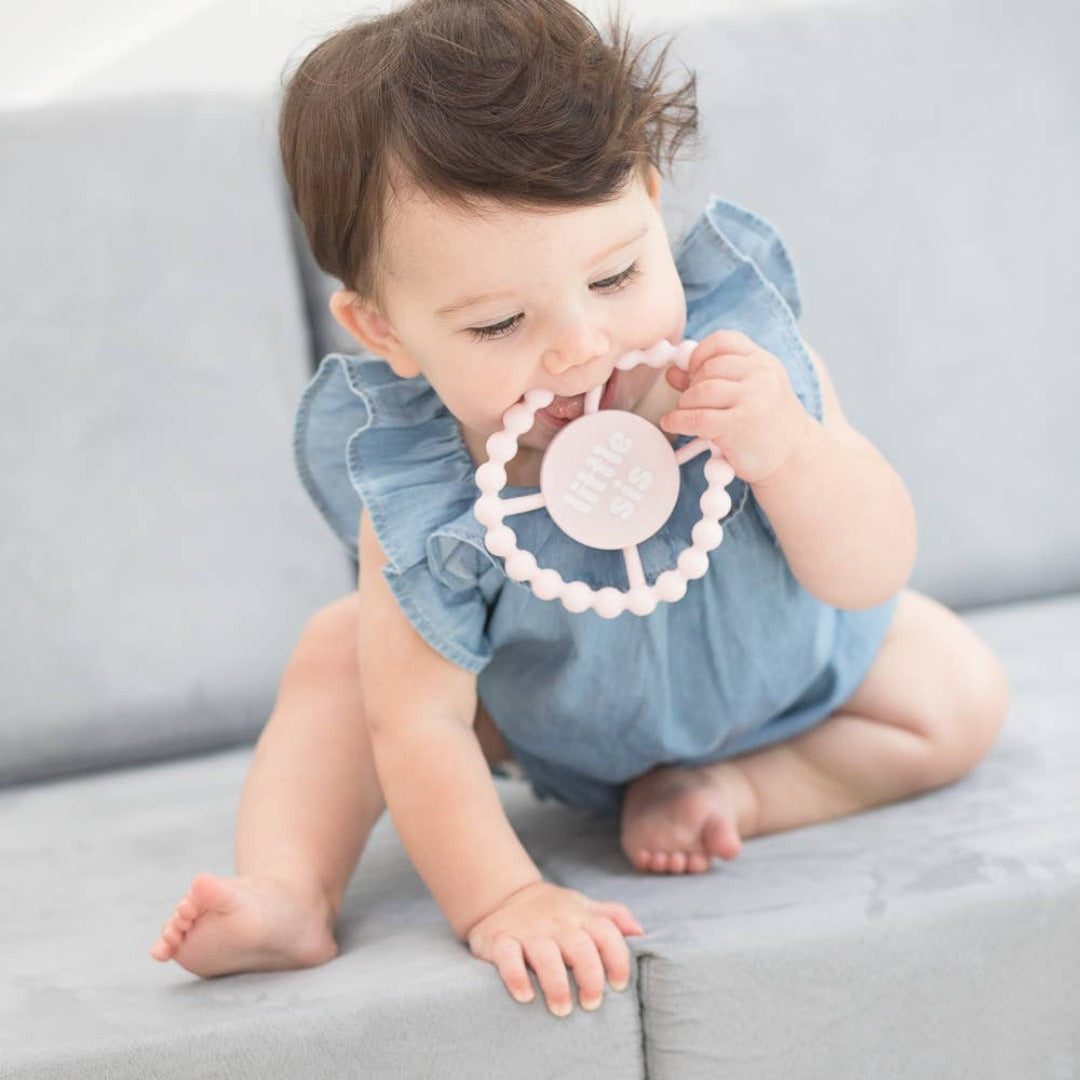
[
  {"x": 166, "y": 946},
  {"x": 179, "y": 922},
  {"x": 658, "y": 862},
  {"x": 677, "y": 862},
  {"x": 187, "y": 910},
  {"x": 209, "y": 893},
  {"x": 161, "y": 950},
  {"x": 698, "y": 864},
  {"x": 175, "y": 925},
  {"x": 172, "y": 937}
]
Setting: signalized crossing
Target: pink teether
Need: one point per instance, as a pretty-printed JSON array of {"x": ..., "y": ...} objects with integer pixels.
[{"x": 609, "y": 480}]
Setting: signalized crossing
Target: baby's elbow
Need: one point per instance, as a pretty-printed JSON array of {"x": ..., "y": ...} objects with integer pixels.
[
  {"x": 859, "y": 600},
  {"x": 880, "y": 574},
  {"x": 852, "y": 598},
  {"x": 858, "y": 588}
]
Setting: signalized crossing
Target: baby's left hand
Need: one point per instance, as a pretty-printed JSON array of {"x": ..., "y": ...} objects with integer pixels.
[{"x": 740, "y": 397}]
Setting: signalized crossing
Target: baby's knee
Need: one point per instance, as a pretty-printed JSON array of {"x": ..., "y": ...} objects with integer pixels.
[
  {"x": 975, "y": 707},
  {"x": 327, "y": 645}
]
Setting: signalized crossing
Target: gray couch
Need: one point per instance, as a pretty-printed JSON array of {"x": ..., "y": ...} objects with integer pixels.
[{"x": 159, "y": 561}]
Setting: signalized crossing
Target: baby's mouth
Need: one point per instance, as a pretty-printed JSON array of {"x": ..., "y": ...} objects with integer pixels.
[{"x": 564, "y": 410}]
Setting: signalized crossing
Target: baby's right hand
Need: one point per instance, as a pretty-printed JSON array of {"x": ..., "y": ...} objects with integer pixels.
[{"x": 550, "y": 928}]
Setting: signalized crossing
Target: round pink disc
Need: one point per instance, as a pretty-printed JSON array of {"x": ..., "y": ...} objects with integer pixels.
[{"x": 609, "y": 479}]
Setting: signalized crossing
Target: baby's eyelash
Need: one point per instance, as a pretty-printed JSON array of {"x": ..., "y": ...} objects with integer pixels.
[
  {"x": 495, "y": 330},
  {"x": 617, "y": 281},
  {"x": 605, "y": 285}
]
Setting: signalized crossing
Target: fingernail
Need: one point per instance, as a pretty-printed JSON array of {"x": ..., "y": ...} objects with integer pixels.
[
  {"x": 591, "y": 1004},
  {"x": 562, "y": 1010},
  {"x": 621, "y": 985},
  {"x": 524, "y": 996}
]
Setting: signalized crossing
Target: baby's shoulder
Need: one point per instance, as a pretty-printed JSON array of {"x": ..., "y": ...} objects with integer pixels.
[
  {"x": 723, "y": 239},
  {"x": 366, "y": 436},
  {"x": 368, "y": 440}
]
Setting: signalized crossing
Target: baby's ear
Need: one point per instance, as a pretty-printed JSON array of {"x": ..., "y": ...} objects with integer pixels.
[
  {"x": 372, "y": 331},
  {"x": 652, "y": 185}
]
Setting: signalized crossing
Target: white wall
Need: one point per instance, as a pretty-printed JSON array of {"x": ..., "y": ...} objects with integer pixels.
[{"x": 59, "y": 49}]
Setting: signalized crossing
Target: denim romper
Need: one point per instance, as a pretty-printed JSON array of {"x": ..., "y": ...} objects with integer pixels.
[{"x": 748, "y": 657}]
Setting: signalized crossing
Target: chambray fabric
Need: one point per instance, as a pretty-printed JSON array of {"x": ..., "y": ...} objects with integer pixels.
[{"x": 746, "y": 658}]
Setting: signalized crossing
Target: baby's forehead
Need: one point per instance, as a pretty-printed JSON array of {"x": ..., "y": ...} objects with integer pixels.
[
  {"x": 421, "y": 227},
  {"x": 417, "y": 214}
]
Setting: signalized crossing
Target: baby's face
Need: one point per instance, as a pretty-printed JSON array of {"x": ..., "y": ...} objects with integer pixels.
[{"x": 489, "y": 306}]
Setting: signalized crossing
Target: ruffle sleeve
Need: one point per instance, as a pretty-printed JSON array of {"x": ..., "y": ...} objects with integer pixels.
[
  {"x": 366, "y": 438},
  {"x": 737, "y": 275}
]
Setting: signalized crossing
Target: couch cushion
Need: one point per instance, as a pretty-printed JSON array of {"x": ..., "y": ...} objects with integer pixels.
[
  {"x": 934, "y": 937},
  {"x": 80, "y": 995},
  {"x": 159, "y": 557}
]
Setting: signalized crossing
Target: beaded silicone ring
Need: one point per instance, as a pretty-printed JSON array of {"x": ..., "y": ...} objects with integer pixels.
[{"x": 575, "y": 496}]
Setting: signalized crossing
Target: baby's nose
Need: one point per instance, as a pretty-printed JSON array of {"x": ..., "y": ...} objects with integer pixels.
[{"x": 578, "y": 344}]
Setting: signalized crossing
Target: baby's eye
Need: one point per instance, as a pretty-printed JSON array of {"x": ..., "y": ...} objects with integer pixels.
[
  {"x": 495, "y": 330},
  {"x": 507, "y": 326},
  {"x": 617, "y": 281}
]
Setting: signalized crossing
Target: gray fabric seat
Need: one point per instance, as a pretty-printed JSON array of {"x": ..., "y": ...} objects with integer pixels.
[
  {"x": 909, "y": 941},
  {"x": 160, "y": 560}
]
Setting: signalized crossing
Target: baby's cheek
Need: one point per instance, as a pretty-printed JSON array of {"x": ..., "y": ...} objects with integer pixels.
[
  {"x": 665, "y": 309},
  {"x": 480, "y": 402}
]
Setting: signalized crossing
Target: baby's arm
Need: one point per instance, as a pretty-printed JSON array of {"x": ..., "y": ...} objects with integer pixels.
[
  {"x": 447, "y": 811},
  {"x": 842, "y": 516}
]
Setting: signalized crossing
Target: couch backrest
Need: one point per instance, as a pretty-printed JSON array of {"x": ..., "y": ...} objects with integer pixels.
[
  {"x": 158, "y": 557},
  {"x": 922, "y": 160}
]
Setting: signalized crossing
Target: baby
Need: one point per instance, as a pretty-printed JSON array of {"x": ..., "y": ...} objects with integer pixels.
[{"x": 483, "y": 178}]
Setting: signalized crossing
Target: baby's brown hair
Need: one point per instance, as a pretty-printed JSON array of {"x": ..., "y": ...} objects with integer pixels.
[{"x": 520, "y": 100}]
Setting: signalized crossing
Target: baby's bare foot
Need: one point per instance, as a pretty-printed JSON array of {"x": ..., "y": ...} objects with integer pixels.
[
  {"x": 675, "y": 820},
  {"x": 246, "y": 924}
]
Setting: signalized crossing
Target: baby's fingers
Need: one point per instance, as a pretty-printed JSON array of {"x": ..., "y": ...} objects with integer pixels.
[
  {"x": 508, "y": 957},
  {"x": 620, "y": 915},
  {"x": 677, "y": 378},
  {"x": 614, "y": 954},
  {"x": 545, "y": 958},
  {"x": 579, "y": 951}
]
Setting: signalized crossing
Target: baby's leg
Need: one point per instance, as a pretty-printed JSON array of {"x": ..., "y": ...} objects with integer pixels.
[
  {"x": 310, "y": 800},
  {"x": 927, "y": 712}
]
